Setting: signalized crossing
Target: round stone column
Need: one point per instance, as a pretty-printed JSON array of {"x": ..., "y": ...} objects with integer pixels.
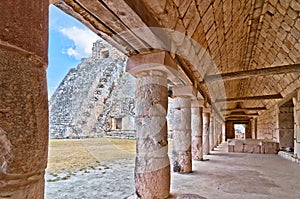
[
  {"x": 182, "y": 157},
  {"x": 197, "y": 129},
  {"x": 216, "y": 137},
  {"x": 23, "y": 98},
  {"x": 206, "y": 121},
  {"x": 152, "y": 168},
  {"x": 211, "y": 132}
]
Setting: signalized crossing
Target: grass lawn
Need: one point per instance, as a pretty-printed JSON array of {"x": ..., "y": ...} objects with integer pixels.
[{"x": 67, "y": 155}]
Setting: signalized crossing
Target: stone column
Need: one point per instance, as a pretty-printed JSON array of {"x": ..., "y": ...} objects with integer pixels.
[
  {"x": 255, "y": 128},
  {"x": 23, "y": 98},
  {"x": 152, "y": 166},
  {"x": 211, "y": 131},
  {"x": 206, "y": 124},
  {"x": 219, "y": 133},
  {"x": 197, "y": 130},
  {"x": 182, "y": 157},
  {"x": 216, "y": 132},
  {"x": 182, "y": 154},
  {"x": 152, "y": 170}
]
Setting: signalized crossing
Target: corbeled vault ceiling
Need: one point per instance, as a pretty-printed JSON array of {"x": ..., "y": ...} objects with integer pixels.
[{"x": 237, "y": 35}]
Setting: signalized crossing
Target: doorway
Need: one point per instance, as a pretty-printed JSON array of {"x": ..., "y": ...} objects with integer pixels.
[
  {"x": 286, "y": 126},
  {"x": 240, "y": 131}
]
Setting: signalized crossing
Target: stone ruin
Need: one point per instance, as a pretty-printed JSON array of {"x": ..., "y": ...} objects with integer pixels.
[{"x": 95, "y": 98}]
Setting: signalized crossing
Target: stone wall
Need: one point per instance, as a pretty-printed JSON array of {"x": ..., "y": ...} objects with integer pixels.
[
  {"x": 119, "y": 106},
  {"x": 230, "y": 134},
  {"x": 286, "y": 126},
  {"x": 267, "y": 124},
  {"x": 296, "y": 101},
  {"x": 91, "y": 94}
]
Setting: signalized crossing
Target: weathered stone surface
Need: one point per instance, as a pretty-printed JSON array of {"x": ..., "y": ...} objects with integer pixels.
[
  {"x": 197, "y": 130},
  {"x": 153, "y": 184},
  {"x": 270, "y": 147},
  {"x": 239, "y": 146},
  {"x": 92, "y": 96},
  {"x": 206, "y": 124},
  {"x": 15, "y": 26},
  {"x": 24, "y": 124},
  {"x": 5, "y": 151},
  {"x": 181, "y": 124},
  {"x": 212, "y": 131},
  {"x": 253, "y": 146},
  {"x": 152, "y": 170}
]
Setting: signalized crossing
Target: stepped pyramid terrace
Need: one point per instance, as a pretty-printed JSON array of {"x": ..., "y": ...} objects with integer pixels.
[{"x": 220, "y": 78}]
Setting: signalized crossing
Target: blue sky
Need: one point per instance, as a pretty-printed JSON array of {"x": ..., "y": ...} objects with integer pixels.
[{"x": 69, "y": 41}]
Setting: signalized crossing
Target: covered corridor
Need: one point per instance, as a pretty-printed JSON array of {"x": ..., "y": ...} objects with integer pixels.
[
  {"x": 239, "y": 175},
  {"x": 223, "y": 62}
]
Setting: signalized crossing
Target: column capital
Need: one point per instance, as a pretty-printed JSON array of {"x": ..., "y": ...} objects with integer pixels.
[
  {"x": 185, "y": 91},
  {"x": 157, "y": 61}
]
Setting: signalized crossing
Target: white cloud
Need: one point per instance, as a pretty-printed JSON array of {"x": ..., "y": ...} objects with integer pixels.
[{"x": 83, "y": 40}]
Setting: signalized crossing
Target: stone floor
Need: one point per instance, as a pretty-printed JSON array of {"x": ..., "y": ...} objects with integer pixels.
[{"x": 240, "y": 175}]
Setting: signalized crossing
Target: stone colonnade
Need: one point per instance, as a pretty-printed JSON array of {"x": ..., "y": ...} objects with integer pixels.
[
  {"x": 23, "y": 98},
  {"x": 191, "y": 123}
]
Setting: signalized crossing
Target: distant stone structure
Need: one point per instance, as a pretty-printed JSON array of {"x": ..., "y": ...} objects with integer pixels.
[{"x": 94, "y": 99}]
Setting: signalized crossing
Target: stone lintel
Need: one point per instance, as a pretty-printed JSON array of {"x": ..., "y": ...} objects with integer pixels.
[
  {"x": 185, "y": 91},
  {"x": 53, "y": 1}
]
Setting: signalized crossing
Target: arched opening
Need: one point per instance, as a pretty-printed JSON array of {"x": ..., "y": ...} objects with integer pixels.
[
  {"x": 240, "y": 131},
  {"x": 87, "y": 86}
]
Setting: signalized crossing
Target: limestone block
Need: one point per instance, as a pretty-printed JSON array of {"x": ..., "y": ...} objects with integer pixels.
[
  {"x": 182, "y": 161},
  {"x": 270, "y": 147},
  {"x": 153, "y": 184},
  {"x": 252, "y": 146},
  {"x": 230, "y": 148},
  {"x": 295, "y": 5},
  {"x": 158, "y": 5},
  {"x": 202, "y": 6},
  {"x": 197, "y": 148},
  {"x": 208, "y": 18},
  {"x": 192, "y": 18},
  {"x": 183, "y": 6},
  {"x": 167, "y": 18},
  {"x": 239, "y": 146}
]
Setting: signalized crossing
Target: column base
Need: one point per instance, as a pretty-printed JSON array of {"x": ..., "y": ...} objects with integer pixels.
[
  {"x": 34, "y": 190},
  {"x": 153, "y": 184}
]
